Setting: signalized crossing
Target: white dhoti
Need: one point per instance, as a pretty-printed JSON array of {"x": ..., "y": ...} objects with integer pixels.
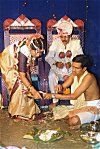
[{"x": 87, "y": 117}]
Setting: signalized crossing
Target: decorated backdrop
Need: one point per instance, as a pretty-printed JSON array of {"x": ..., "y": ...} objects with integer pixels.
[{"x": 85, "y": 10}]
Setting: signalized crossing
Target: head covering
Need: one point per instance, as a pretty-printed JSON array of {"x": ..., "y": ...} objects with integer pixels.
[
  {"x": 65, "y": 27},
  {"x": 35, "y": 41}
]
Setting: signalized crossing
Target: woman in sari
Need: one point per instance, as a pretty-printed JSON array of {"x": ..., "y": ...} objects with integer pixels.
[{"x": 15, "y": 63}]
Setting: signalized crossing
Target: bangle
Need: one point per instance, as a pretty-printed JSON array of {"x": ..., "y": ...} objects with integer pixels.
[
  {"x": 29, "y": 88},
  {"x": 61, "y": 87},
  {"x": 53, "y": 95}
]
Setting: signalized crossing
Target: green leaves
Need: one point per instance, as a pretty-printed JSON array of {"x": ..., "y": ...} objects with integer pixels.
[{"x": 46, "y": 135}]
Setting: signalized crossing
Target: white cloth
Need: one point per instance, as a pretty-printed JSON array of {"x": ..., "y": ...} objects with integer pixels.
[
  {"x": 60, "y": 112},
  {"x": 65, "y": 27},
  {"x": 87, "y": 117},
  {"x": 57, "y": 46},
  {"x": 81, "y": 99},
  {"x": 24, "y": 49}
]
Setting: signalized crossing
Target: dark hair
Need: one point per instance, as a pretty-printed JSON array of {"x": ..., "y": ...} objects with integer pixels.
[
  {"x": 84, "y": 60},
  {"x": 38, "y": 43}
]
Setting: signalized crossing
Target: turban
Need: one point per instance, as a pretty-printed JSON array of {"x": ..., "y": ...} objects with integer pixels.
[{"x": 65, "y": 28}]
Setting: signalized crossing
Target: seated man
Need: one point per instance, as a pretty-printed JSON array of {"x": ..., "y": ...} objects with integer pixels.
[
  {"x": 60, "y": 55},
  {"x": 84, "y": 93}
]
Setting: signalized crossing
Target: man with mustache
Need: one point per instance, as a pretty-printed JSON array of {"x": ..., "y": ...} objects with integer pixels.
[
  {"x": 60, "y": 55},
  {"x": 84, "y": 95}
]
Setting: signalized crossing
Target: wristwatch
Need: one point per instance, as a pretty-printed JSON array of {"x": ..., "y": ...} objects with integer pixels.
[{"x": 53, "y": 96}]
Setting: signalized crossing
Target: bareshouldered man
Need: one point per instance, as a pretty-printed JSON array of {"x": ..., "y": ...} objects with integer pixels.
[{"x": 84, "y": 96}]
